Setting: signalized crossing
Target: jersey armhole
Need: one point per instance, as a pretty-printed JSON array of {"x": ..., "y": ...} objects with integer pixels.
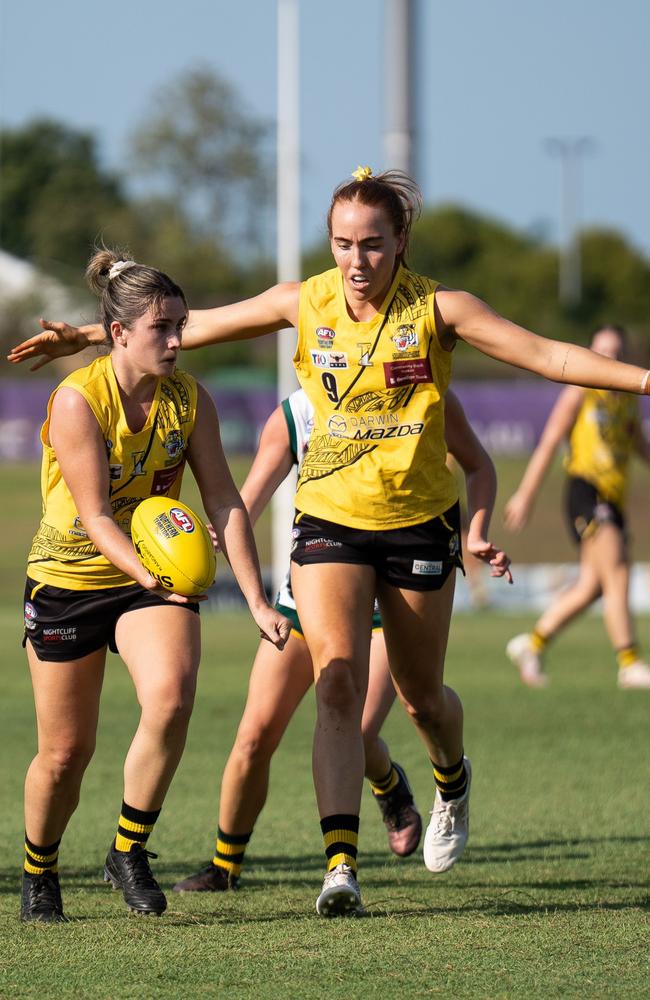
[{"x": 291, "y": 427}]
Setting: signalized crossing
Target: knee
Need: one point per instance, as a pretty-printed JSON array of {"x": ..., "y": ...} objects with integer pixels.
[
  {"x": 255, "y": 745},
  {"x": 427, "y": 711},
  {"x": 67, "y": 760},
  {"x": 337, "y": 689},
  {"x": 170, "y": 707}
]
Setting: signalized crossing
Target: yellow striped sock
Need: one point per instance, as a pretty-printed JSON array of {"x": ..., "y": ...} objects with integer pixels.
[
  {"x": 627, "y": 656},
  {"x": 134, "y": 827},
  {"x": 230, "y": 850},
  {"x": 385, "y": 785},
  {"x": 41, "y": 859},
  {"x": 538, "y": 642},
  {"x": 340, "y": 836}
]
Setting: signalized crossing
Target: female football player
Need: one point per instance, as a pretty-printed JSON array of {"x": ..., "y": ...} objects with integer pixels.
[
  {"x": 604, "y": 430},
  {"x": 376, "y": 506},
  {"x": 279, "y": 681},
  {"x": 116, "y": 432}
]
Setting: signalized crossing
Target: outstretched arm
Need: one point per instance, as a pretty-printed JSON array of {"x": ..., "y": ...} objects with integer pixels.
[
  {"x": 462, "y": 315},
  {"x": 481, "y": 483},
  {"x": 561, "y": 419},
  {"x": 225, "y": 508},
  {"x": 272, "y": 310}
]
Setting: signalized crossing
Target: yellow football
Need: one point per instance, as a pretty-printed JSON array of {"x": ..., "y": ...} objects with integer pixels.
[{"x": 173, "y": 544}]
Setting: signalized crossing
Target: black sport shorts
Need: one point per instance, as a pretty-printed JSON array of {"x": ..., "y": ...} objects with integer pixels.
[
  {"x": 68, "y": 624},
  {"x": 586, "y": 509},
  {"x": 419, "y": 557}
]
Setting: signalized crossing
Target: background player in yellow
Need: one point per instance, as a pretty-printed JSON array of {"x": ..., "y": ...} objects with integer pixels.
[
  {"x": 604, "y": 432},
  {"x": 377, "y": 506},
  {"x": 117, "y": 431}
]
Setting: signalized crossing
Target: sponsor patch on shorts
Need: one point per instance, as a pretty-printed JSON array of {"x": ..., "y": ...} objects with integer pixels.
[{"x": 425, "y": 567}]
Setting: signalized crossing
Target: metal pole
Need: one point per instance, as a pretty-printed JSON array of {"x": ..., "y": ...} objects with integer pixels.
[
  {"x": 288, "y": 247},
  {"x": 399, "y": 64},
  {"x": 570, "y": 273}
]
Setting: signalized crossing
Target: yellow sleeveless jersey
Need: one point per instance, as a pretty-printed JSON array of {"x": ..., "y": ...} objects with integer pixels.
[
  {"x": 376, "y": 456},
  {"x": 147, "y": 463},
  {"x": 602, "y": 441}
]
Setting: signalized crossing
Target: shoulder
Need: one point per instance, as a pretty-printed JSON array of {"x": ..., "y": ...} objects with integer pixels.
[{"x": 321, "y": 286}]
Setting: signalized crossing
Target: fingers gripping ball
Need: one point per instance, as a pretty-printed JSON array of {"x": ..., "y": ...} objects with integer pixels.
[{"x": 173, "y": 544}]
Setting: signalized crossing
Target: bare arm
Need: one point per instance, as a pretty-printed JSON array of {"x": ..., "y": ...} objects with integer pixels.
[
  {"x": 271, "y": 465},
  {"x": 561, "y": 419},
  {"x": 226, "y": 510},
  {"x": 462, "y": 315},
  {"x": 81, "y": 454},
  {"x": 481, "y": 484},
  {"x": 274, "y": 309}
]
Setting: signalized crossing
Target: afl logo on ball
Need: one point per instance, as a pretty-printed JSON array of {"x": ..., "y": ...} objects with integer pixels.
[{"x": 182, "y": 520}]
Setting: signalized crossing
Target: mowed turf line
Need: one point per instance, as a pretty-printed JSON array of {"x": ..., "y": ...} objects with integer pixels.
[{"x": 551, "y": 898}]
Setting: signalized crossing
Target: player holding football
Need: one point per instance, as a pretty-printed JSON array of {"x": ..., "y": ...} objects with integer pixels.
[
  {"x": 604, "y": 431},
  {"x": 377, "y": 508},
  {"x": 278, "y": 682},
  {"x": 116, "y": 432}
]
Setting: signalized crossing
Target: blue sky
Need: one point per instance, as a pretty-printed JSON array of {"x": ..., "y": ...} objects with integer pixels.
[{"x": 495, "y": 79}]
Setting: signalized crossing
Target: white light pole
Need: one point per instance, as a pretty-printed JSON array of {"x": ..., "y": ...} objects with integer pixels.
[
  {"x": 399, "y": 63},
  {"x": 570, "y": 274},
  {"x": 288, "y": 246}
]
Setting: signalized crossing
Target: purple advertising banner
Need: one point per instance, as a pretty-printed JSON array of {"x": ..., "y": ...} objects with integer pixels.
[{"x": 508, "y": 416}]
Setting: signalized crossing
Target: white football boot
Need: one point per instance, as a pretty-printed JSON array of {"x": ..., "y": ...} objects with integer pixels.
[
  {"x": 340, "y": 896},
  {"x": 527, "y": 660},
  {"x": 447, "y": 833},
  {"x": 637, "y": 675}
]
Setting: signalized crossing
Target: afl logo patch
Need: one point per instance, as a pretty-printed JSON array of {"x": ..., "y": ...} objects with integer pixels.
[
  {"x": 182, "y": 520},
  {"x": 325, "y": 336}
]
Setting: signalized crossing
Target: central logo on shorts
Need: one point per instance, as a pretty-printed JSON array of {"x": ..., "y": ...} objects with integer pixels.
[
  {"x": 182, "y": 520},
  {"x": 424, "y": 567}
]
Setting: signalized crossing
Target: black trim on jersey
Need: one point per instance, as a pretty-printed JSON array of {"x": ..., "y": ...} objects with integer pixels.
[
  {"x": 316, "y": 479},
  {"x": 113, "y": 492},
  {"x": 370, "y": 352}
]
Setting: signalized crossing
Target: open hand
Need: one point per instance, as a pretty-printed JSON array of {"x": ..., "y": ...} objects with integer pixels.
[{"x": 56, "y": 341}]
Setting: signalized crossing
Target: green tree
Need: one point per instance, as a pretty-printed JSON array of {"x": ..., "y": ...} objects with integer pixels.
[
  {"x": 210, "y": 156},
  {"x": 54, "y": 198}
]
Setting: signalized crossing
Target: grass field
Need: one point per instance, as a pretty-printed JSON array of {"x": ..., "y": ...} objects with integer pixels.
[{"x": 550, "y": 900}]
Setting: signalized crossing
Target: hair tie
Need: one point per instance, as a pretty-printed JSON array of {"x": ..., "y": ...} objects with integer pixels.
[
  {"x": 119, "y": 266},
  {"x": 362, "y": 174}
]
